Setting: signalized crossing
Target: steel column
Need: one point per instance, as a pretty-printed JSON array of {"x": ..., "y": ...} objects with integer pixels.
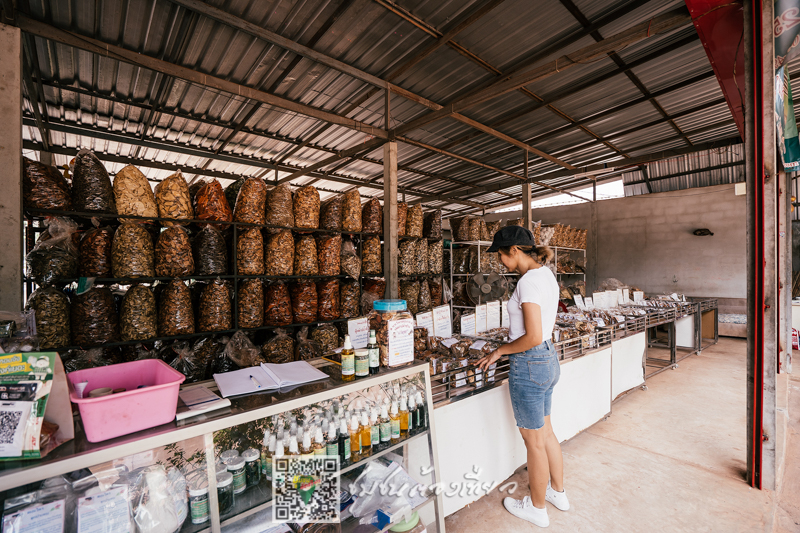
[{"x": 526, "y": 197}]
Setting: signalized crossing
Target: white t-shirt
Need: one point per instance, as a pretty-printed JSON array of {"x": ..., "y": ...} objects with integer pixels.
[{"x": 538, "y": 286}]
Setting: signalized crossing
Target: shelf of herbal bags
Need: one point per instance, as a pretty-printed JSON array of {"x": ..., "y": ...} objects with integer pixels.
[{"x": 131, "y": 281}]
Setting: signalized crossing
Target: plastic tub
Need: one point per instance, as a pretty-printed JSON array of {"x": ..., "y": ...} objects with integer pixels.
[{"x": 133, "y": 410}]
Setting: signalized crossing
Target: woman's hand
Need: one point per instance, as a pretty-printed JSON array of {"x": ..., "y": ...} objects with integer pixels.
[{"x": 485, "y": 362}]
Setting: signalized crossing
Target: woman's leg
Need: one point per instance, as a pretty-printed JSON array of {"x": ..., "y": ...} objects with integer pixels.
[
  {"x": 538, "y": 464},
  {"x": 554, "y": 459}
]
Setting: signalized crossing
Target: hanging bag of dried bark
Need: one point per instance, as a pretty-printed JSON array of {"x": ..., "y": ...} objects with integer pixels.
[
  {"x": 93, "y": 317},
  {"x": 432, "y": 225},
  {"x": 232, "y": 191},
  {"x": 372, "y": 217},
  {"x": 215, "y": 312},
  {"x": 305, "y": 257},
  {"x": 328, "y": 299},
  {"x": 250, "y": 302},
  {"x": 349, "y": 299},
  {"x": 52, "y": 311},
  {"x": 306, "y": 348},
  {"x": 137, "y": 317},
  {"x": 329, "y": 251},
  {"x": 280, "y": 254},
  {"x": 278, "y": 305},
  {"x": 484, "y": 230},
  {"x": 95, "y": 253},
  {"x": 194, "y": 187},
  {"x": 350, "y": 264},
  {"x": 279, "y": 207},
  {"x": 306, "y": 207},
  {"x": 422, "y": 256},
  {"x": 241, "y": 350},
  {"x": 371, "y": 260},
  {"x": 133, "y": 194},
  {"x": 210, "y": 252},
  {"x": 91, "y": 186},
  {"x": 435, "y": 257},
  {"x": 251, "y": 202},
  {"x": 210, "y": 204},
  {"x": 492, "y": 228},
  {"x": 44, "y": 187},
  {"x": 56, "y": 258},
  {"x": 173, "y": 201},
  {"x": 435, "y": 286},
  {"x": 132, "y": 252},
  {"x": 414, "y": 221},
  {"x": 173, "y": 253},
  {"x": 409, "y": 291},
  {"x": 407, "y": 260},
  {"x": 351, "y": 211},
  {"x": 250, "y": 253},
  {"x": 331, "y": 215},
  {"x": 304, "y": 302},
  {"x": 327, "y": 336},
  {"x": 402, "y": 218},
  {"x": 175, "y": 312},
  {"x": 424, "y": 302},
  {"x": 279, "y": 349}
]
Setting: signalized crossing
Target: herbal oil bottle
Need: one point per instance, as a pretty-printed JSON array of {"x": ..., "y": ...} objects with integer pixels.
[
  {"x": 403, "y": 416},
  {"x": 293, "y": 449},
  {"x": 374, "y": 353},
  {"x": 348, "y": 360},
  {"x": 265, "y": 455},
  {"x": 344, "y": 443},
  {"x": 362, "y": 363},
  {"x": 319, "y": 443},
  {"x": 332, "y": 447},
  {"x": 422, "y": 413},
  {"x": 355, "y": 440},
  {"x": 412, "y": 412},
  {"x": 267, "y": 464},
  {"x": 395, "y": 418},
  {"x": 375, "y": 431},
  {"x": 366, "y": 435},
  {"x": 385, "y": 426}
]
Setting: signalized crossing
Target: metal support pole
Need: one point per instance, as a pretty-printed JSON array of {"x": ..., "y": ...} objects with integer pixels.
[
  {"x": 785, "y": 233},
  {"x": 11, "y": 244},
  {"x": 592, "y": 262},
  {"x": 526, "y": 197},
  {"x": 390, "y": 218}
]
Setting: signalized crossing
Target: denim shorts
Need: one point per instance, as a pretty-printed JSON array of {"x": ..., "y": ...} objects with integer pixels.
[{"x": 531, "y": 380}]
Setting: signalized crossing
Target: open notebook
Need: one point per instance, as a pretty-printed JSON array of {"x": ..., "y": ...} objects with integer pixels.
[{"x": 266, "y": 377}]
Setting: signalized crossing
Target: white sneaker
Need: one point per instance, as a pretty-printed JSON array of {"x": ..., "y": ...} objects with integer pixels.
[
  {"x": 559, "y": 499},
  {"x": 524, "y": 509}
]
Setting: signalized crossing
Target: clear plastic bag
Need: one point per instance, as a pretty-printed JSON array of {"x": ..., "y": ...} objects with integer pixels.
[
  {"x": 250, "y": 253},
  {"x": 280, "y": 254},
  {"x": 305, "y": 257},
  {"x": 251, "y": 202},
  {"x": 414, "y": 221},
  {"x": 372, "y": 217},
  {"x": 327, "y": 336},
  {"x": 371, "y": 260},
  {"x": 93, "y": 316},
  {"x": 421, "y": 258},
  {"x": 432, "y": 225},
  {"x": 51, "y": 307},
  {"x": 138, "y": 320},
  {"x": 55, "y": 258},
  {"x": 306, "y": 207},
  {"x": 95, "y": 253},
  {"x": 91, "y": 186},
  {"x": 409, "y": 291},
  {"x": 329, "y": 251},
  {"x": 133, "y": 194},
  {"x": 435, "y": 286},
  {"x": 461, "y": 260},
  {"x": 349, "y": 262},
  {"x": 460, "y": 228},
  {"x": 215, "y": 312},
  {"x": 278, "y": 305},
  {"x": 349, "y": 299},
  {"x": 242, "y": 351},
  {"x": 210, "y": 252},
  {"x": 250, "y": 301},
  {"x": 44, "y": 187},
  {"x": 173, "y": 253},
  {"x": 402, "y": 218},
  {"x": 424, "y": 299},
  {"x": 207, "y": 350},
  {"x": 181, "y": 357},
  {"x": 232, "y": 192},
  {"x": 94, "y": 357},
  {"x": 351, "y": 211},
  {"x": 175, "y": 312},
  {"x": 331, "y": 214},
  {"x": 279, "y": 349},
  {"x": 492, "y": 228},
  {"x": 304, "y": 302},
  {"x": 407, "y": 260},
  {"x": 435, "y": 257},
  {"x": 328, "y": 299},
  {"x": 279, "y": 207},
  {"x": 152, "y": 505},
  {"x": 374, "y": 289},
  {"x": 173, "y": 201},
  {"x": 132, "y": 254},
  {"x": 475, "y": 229},
  {"x": 210, "y": 204},
  {"x": 306, "y": 348}
]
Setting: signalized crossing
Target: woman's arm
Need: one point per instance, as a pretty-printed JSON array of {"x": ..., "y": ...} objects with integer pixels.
[{"x": 532, "y": 317}]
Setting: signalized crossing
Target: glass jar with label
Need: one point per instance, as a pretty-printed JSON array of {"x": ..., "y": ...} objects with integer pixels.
[
  {"x": 252, "y": 468},
  {"x": 362, "y": 363},
  {"x": 394, "y": 331},
  {"x": 198, "y": 500},
  {"x": 236, "y": 469},
  {"x": 225, "y": 492}
]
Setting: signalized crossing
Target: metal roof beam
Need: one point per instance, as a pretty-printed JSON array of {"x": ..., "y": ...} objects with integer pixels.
[{"x": 647, "y": 180}]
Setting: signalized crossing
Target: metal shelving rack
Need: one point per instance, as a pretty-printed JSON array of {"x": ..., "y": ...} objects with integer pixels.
[
  {"x": 568, "y": 251},
  {"x": 478, "y": 245}
]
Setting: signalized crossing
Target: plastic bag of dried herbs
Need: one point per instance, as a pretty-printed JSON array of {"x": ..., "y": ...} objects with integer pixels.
[
  {"x": 306, "y": 348},
  {"x": 215, "y": 312},
  {"x": 91, "y": 186},
  {"x": 93, "y": 318},
  {"x": 51, "y": 307},
  {"x": 475, "y": 229},
  {"x": 279, "y": 207},
  {"x": 181, "y": 357},
  {"x": 305, "y": 257},
  {"x": 210, "y": 204},
  {"x": 278, "y": 305},
  {"x": 132, "y": 252},
  {"x": 432, "y": 225},
  {"x": 460, "y": 228},
  {"x": 424, "y": 302},
  {"x": 402, "y": 218},
  {"x": 435, "y": 257},
  {"x": 95, "y": 253},
  {"x": 372, "y": 217},
  {"x": 206, "y": 350},
  {"x": 173, "y": 253},
  {"x": 351, "y": 211},
  {"x": 515, "y": 222},
  {"x": 331, "y": 213},
  {"x": 232, "y": 192},
  {"x": 220, "y": 364},
  {"x": 195, "y": 186},
  {"x": 306, "y": 207},
  {"x": 407, "y": 260},
  {"x": 409, "y": 291},
  {"x": 82, "y": 359},
  {"x": 241, "y": 350},
  {"x": 137, "y": 317},
  {"x": 279, "y": 349},
  {"x": 44, "y": 187},
  {"x": 250, "y": 302},
  {"x": 329, "y": 251},
  {"x": 461, "y": 260},
  {"x": 349, "y": 262},
  {"x": 280, "y": 254},
  {"x": 328, "y": 299},
  {"x": 175, "y": 312},
  {"x": 251, "y": 202},
  {"x": 349, "y": 299},
  {"x": 304, "y": 302},
  {"x": 327, "y": 336},
  {"x": 173, "y": 200},
  {"x": 133, "y": 194},
  {"x": 56, "y": 258},
  {"x": 210, "y": 252},
  {"x": 371, "y": 260},
  {"x": 250, "y": 253},
  {"x": 414, "y": 221},
  {"x": 484, "y": 230},
  {"x": 435, "y": 286},
  {"x": 422, "y": 256},
  {"x": 492, "y": 228}
]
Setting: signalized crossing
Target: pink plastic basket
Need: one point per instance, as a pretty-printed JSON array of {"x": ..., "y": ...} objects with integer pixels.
[{"x": 126, "y": 412}]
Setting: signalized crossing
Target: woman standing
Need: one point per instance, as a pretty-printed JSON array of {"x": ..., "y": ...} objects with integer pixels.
[{"x": 534, "y": 369}]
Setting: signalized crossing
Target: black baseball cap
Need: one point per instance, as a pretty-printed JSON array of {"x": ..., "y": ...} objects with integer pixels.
[{"x": 512, "y": 236}]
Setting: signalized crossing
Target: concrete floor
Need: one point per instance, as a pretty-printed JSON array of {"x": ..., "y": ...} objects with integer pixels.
[{"x": 671, "y": 458}]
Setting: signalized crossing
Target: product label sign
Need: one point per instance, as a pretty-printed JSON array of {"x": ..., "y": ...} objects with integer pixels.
[
  {"x": 493, "y": 315},
  {"x": 447, "y": 343},
  {"x": 358, "y": 329},
  {"x": 504, "y": 313},
  {"x": 620, "y": 297},
  {"x": 468, "y": 325},
  {"x": 579, "y": 302},
  {"x": 425, "y": 320},
  {"x": 480, "y": 318},
  {"x": 44, "y": 518},
  {"x": 477, "y": 345},
  {"x": 638, "y": 296},
  {"x": 442, "y": 323},
  {"x": 626, "y": 295},
  {"x": 600, "y": 322},
  {"x": 106, "y": 512},
  {"x": 589, "y": 303},
  {"x": 401, "y": 341}
]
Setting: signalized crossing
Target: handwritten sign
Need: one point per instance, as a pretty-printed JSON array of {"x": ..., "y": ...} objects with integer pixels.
[
  {"x": 442, "y": 323},
  {"x": 468, "y": 324},
  {"x": 358, "y": 329},
  {"x": 493, "y": 315},
  {"x": 425, "y": 320},
  {"x": 626, "y": 295},
  {"x": 589, "y": 303},
  {"x": 579, "y": 302},
  {"x": 401, "y": 341},
  {"x": 480, "y": 318}
]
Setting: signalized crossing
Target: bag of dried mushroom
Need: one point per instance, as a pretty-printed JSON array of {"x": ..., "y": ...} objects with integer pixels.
[
  {"x": 279, "y": 349},
  {"x": 278, "y": 305},
  {"x": 251, "y": 202},
  {"x": 306, "y": 207},
  {"x": 422, "y": 256},
  {"x": 327, "y": 336},
  {"x": 371, "y": 261},
  {"x": 132, "y": 253},
  {"x": 56, "y": 258},
  {"x": 133, "y": 194},
  {"x": 210, "y": 252},
  {"x": 176, "y": 316},
  {"x": 409, "y": 291},
  {"x": 44, "y": 187},
  {"x": 432, "y": 225},
  {"x": 215, "y": 312},
  {"x": 279, "y": 207},
  {"x": 91, "y": 186},
  {"x": 173, "y": 201},
  {"x": 407, "y": 260},
  {"x": 350, "y": 264},
  {"x": 280, "y": 254},
  {"x": 305, "y": 257},
  {"x": 402, "y": 218},
  {"x": 435, "y": 257},
  {"x": 331, "y": 215},
  {"x": 351, "y": 211},
  {"x": 52, "y": 311},
  {"x": 414, "y": 221},
  {"x": 173, "y": 253},
  {"x": 372, "y": 217},
  {"x": 93, "y": 317},
  {"x": 250, "y": 253},
  {"x": 210, "y": 204},
  {"x": 250, "y": 302},
  {"x": 137, "y": 317},
  {"x": 304, "y": 302},
  {"x": 328, "y": 299},
  {"x": 95, "y": 253},
  {"x": 349, "y": 299}
]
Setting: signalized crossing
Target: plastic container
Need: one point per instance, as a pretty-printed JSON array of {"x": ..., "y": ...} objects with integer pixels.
[
  {"x": 198, "y": 501},
  {"x": 225, "y": 492},
  {"x": 236, "y": 468},
  {"x": 252, "y": 466},
  {"x": 136, "y": 409},
  {"x": 412, "y": 525},
  {"x": 394, "y": 331}
]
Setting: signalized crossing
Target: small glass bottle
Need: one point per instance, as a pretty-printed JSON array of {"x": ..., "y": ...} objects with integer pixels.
[
  {"x": 355, "y": 440},
  {"x": 348, "y": 360},
  {"x": 307, "y": 451},
  {"x": 362, "y": 363},
  {"x": 227, "y": 455},
  {"x": 422, "y": 413},
  {"x": 412, "y": 408},
  {"x": 403, "y": 416},
  {"x": 344, "y": 443},
  {"x": 332, "y": 447},
  {"x": 277, "y": 455},
  {"x": 375, "y": 430},
  {"x": 294, "y": 451},
  {"x": 273, "y": 443},
  {"x": 395, "y": 418},
  {"x": 252, "y": 468},
  {"x": 319, "y": 443},
  {"x": 366, "y": 435},
  {"x": 265, "y": 455},
  {"x": 374, "y": 353},
  {"x": 385, "y": 426},
  {"x": 225, "y": 492}
]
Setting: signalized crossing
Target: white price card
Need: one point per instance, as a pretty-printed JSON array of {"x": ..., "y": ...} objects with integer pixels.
[
  {"x": 599, "y": 300},
  {"x": 589, "y": 303},
  {"x": 480, "y": 318},
  {"x": 626, "y": 295},
  {"x": 579, "y": 302},
  {"x": 504, "y": 312},
  {"x": 358, "y": 329},
  {"x": 477, "y": 345},
  {"x": 619, "y": 318},
  {"x": 620, "y": 297},
  {"x": 442, "y": 323},
  {"x": 638, "y": 296},
  {"x": 468, "y": 324},
  {"x": 44, "y": 518},
  {"x": 401, "y": 341},
  {"x": 449, "y": 342},
  {"x": 600, "y": 322},
  {"x": 611, "y": 299},
  {"x": 493, "y": 315},
  {"x": 106, "y": 512},
  {"x": 425, "y": 320}
]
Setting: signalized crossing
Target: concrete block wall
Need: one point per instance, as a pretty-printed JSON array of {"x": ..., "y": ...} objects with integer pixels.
[{"x": 647, "y": 240}]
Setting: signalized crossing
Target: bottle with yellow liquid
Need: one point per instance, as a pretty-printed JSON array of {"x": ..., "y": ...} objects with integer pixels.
[
  {"x": 267, "y": 461},
  {"x": 319, "y": 445},
  {"x": 293, "y": 449},
  {"x": 366, "y": 435},
  {"x": 395, "y": 421},
  {"x": 403, "y": 416},
  {"x": 355, "y": 440},
  {"x": 348, "y": 360}
]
